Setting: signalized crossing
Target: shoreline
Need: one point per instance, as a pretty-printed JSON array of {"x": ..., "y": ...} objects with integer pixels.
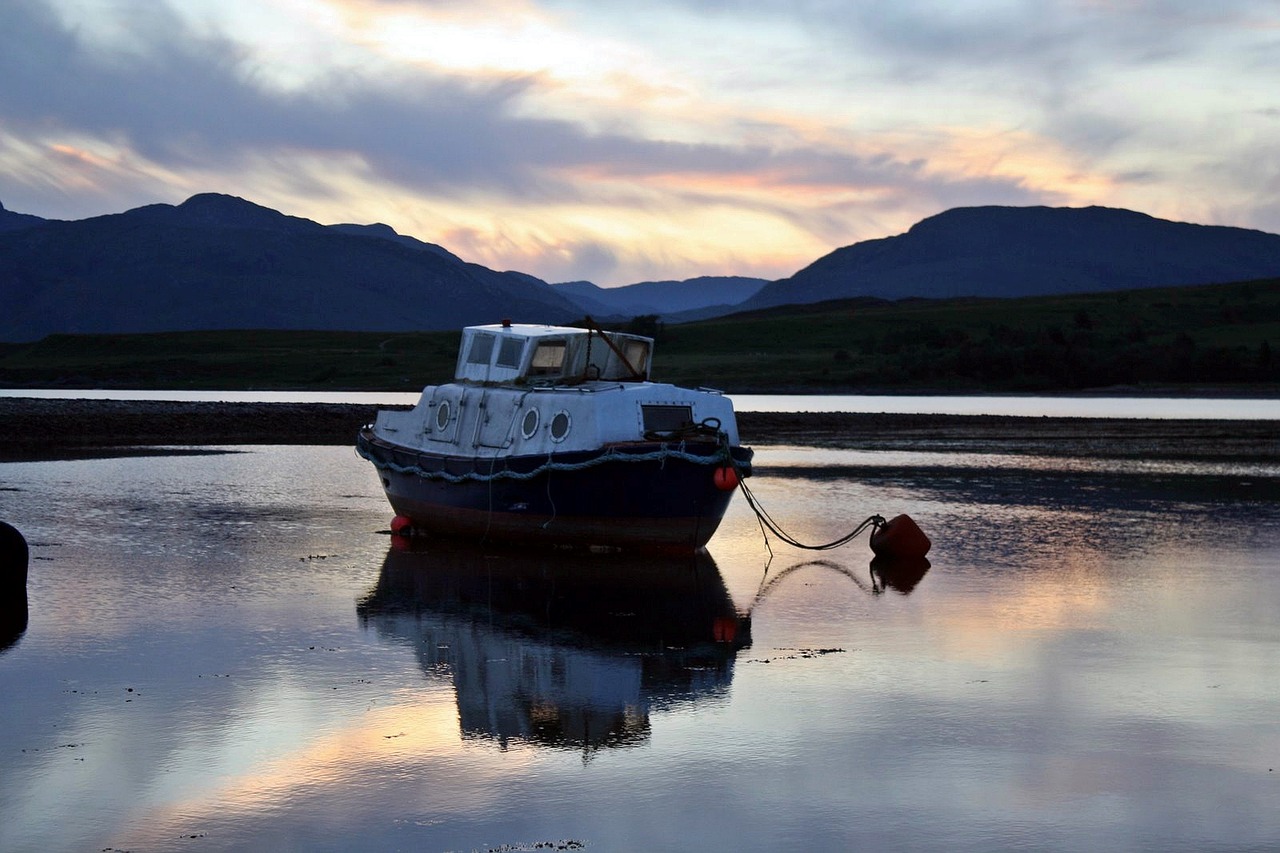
[{"x": 37, "y": 428}]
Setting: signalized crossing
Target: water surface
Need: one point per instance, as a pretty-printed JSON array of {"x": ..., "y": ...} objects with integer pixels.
[{"x": 224, "y": 652}]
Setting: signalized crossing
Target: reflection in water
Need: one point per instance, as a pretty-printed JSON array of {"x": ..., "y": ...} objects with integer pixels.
[
  {"x": 1090, "y": 664},
  {"x": 560, "y": 648},
  {"x": 898, "y": 573}
]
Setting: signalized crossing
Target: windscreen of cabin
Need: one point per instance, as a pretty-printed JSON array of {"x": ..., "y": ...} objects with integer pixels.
[
  {"x": 481, "y": 349},
  {"x": 637, "y": 353},
  {"x": 510, "y": 351},
  {"x": 548, "y": 359}
]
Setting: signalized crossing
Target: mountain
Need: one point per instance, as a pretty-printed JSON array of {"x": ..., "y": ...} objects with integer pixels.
[
  {"x": 1028, "y": 251},
  {"x": 220, "y": 262},
  {"x": 10, "y": 221},
  {"x": 663, "y": 298},
  {"x": 386, "y": 232}
]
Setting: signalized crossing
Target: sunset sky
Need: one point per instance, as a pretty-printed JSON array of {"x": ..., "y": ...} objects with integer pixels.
[{"x": 589, "y": 139}]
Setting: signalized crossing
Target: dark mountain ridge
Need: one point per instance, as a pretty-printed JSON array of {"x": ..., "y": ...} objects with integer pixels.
[
  {"x": 10, "y": 221},
  {"x": 219, "y": 262},
  {"x": 1027, "y": 251},
  {"x": 663, "y": 298}
]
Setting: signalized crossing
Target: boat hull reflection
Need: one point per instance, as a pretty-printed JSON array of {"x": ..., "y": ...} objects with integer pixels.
[{"x": 560, "y": 648}]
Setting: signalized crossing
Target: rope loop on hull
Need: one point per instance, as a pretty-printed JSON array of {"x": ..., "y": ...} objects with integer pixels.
[{"x": 721, "y": 456}]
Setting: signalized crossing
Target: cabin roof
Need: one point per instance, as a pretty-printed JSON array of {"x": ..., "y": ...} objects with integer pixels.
[
  {"x": 534, "y": 330},
  {"x": 527, "y": 352}
]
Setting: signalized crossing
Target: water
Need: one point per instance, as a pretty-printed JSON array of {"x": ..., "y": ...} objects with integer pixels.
[
  {"x": 224, "y": 653},
  {"x": 1225, "y": 408}
]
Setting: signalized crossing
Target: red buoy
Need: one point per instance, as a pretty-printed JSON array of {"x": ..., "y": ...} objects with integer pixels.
[
  {"x": 401, "y": 525},
  {"x": 725, "y": 478},
  {"x": 900, "y": 537}
]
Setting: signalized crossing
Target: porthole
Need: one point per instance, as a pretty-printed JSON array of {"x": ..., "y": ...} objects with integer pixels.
[
  {"x": 560, "y": 426},
  {"x": 442, "y": 415},
  {"x": 529, "y": 425}
]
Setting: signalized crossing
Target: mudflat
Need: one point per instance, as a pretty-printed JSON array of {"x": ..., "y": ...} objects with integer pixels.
[{"x": 39, "y": 428}]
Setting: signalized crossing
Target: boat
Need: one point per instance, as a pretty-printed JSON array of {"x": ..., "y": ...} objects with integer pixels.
[{"x": 557, "y": 435}]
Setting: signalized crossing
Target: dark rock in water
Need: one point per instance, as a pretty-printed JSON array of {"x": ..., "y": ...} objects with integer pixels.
[
  {"x": 13, "y": 585},
  {"x": 13, "y": 558}
]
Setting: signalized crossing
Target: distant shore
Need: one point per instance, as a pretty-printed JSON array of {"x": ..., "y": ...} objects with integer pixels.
[{"x": 40, "y": 428}]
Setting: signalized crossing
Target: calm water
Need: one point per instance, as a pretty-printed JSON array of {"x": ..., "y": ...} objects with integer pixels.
[
  {"x": 1032, "y": 406},
  {"x": 223, "y": 652}
]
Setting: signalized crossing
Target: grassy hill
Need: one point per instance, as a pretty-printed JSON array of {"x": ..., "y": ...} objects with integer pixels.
[
  {"x": 1212, "y": 334},
  {"x": 1221, "y": 335}
]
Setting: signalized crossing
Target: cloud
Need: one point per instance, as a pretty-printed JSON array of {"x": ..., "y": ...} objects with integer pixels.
[
  {"x": 586, "y": 142},
  {"x": 189, "y": 100},
  {"x": 185, "y": 100}
]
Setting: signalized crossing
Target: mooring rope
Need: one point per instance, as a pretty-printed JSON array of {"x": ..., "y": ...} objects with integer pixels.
[{"x": 767, "y": 522}]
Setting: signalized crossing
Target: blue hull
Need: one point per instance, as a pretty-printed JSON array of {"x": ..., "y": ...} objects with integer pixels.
[{"x": 640, "y": 495}]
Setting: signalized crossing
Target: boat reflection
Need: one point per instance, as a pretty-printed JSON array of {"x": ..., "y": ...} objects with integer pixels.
[{"x": 559, "y": 648}]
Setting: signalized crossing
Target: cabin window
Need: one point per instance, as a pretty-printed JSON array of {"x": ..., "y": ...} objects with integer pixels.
[
  {"x": 548, "y": 359},
  {"x": 637, "y": 353},
  {"x": 666, "y": 418},
  {"x": 530, "y": 423},
  {"x": 560, "y": 426},
  {"x": 510, "y": 351},
  {"x": 481, "y": 349},
  {"x": 442, "y": 415}
]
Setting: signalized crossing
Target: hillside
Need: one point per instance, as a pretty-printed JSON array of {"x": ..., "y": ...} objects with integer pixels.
[
  {"x": 1169, "y": 339},
  {"x": 1026, "y": 251}
]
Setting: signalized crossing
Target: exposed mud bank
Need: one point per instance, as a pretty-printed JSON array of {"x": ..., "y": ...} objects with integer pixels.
[{"x": 38, "y": 428}]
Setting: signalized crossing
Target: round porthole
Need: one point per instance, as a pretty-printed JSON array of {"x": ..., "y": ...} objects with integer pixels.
[
  {"x": 560, "y": 426},
  {"x": 442, "y": 415},
  {"x": 529, "y": 425}
]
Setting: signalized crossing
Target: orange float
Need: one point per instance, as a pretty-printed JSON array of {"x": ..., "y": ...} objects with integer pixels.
[{"x": 900, "y": 537}]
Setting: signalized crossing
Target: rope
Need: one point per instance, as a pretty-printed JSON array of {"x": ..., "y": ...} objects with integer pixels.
[
  {"x": 708, "y": 428},
  {"x": 720, "y": 457},
  {"x": 767, "y": 522}
]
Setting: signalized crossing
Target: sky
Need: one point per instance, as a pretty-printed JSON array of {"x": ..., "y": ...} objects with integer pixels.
[{"x": 625, "y": 142}]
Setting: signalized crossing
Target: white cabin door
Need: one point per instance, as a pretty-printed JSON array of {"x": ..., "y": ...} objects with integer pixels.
[{"x": 496, "y": 419}]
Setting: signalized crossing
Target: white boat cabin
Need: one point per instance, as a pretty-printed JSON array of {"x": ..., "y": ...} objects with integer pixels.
[
  {"x": 535, "y": 390},
  {"x": 524, "y": 354}
]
